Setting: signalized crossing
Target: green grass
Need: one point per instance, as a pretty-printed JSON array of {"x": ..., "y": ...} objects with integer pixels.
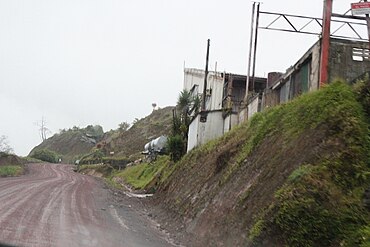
[
  {"x": 321, "y": 203},
  {"x": 113, "y": 184},
  {"x": 106, "y": 170},
  {"x": 32, "y": 160},
  {"x": 11, "y": 171},
  {"x": 92, "y": 166},
  {"x": 139, "y": 176}
]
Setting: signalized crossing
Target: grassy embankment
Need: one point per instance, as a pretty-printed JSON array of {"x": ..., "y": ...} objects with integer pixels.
[
  {"x": 11, "y": 165},
  {"x": 294, "y": 175},
  {"x": 11, "y": 171},
  {"x": 143, "y": 176}
]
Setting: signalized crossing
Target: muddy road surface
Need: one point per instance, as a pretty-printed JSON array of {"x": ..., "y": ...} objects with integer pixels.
[{"x": 54, "y": 206}]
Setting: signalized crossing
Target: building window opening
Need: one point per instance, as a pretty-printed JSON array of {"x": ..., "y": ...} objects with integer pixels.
[{"x": 360, "y": 54}]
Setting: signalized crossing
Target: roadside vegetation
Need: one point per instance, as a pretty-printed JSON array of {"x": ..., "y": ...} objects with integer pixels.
[
  {"x": 11, "y": 165},
  {"x": 11, "y": 171},
  {"x": 187, "y": 107},
  {"x": 46, "y": 155},
  {"x": 145, "y": 175}
]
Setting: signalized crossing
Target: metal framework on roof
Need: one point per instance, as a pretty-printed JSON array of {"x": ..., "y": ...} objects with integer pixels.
[
  {"x": 291, "y": 20},
  {"x": 325, "y": 33}
]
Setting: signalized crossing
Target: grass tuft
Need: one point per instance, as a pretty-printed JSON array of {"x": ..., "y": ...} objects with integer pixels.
[{"x": 11, "y": 171}]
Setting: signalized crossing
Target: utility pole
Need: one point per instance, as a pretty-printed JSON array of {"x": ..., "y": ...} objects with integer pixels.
[
  {"x": 325, "y": 43},
  {"x": 250, "y": 52},
  {"x": 203, "y": 113},
  {"x": 252, "y": 48},
  {"x": 255, "y": 46},
  {"x": 205, "y": 78}
]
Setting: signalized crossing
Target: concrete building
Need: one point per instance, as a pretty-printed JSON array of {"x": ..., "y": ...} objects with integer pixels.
[
  {"x": 224, "y": 99},
  {"x": 226, "y": 105},
  {"x": 201, "y": 132},
  {"x": 349, "y": 60}
]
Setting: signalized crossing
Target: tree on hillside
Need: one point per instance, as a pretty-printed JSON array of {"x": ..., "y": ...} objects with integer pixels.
[
  {"x": 135, "y": 121},
  {"x": 43, "y": 130},
  {"x": 4, "y": 145},
  {"x": 124, "y": 126},
  {"x": 187, "y": 106}
]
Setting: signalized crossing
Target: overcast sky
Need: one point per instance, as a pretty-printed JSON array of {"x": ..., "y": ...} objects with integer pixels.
[{"x": 80, "y": 62}]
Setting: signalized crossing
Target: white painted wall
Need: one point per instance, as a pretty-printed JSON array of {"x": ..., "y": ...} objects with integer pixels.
[
  {"x": 200, "y": 133},
  {"x": 215, "y": 82},
  {"x": 193, "y": 133},
  {"x": 253, "y": 107},
  {"x": 230, "y": 121},
  {"x": 243, "y": 115}
]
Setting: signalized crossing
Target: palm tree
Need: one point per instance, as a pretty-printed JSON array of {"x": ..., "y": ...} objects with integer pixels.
[{"x": 188, "y": 105}]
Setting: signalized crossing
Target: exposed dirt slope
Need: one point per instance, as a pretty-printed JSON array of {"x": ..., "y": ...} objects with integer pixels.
[
  {"x": 72, "y": 143},
  {"x": 10, "y": 160},
  {"x": 294, "y": 175},
  {"x": 132, "y": 141}
]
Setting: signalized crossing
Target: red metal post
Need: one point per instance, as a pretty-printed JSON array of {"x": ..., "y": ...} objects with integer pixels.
[
  {"x": 368, "y": 25},
  {"x": 325, "y": 42}
]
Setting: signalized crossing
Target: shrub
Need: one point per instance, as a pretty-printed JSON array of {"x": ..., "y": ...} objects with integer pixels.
[
  {"x": 9, "y": 171},
  {"x": 45, "y": 155},
  {"x": 176, "y": 147}
]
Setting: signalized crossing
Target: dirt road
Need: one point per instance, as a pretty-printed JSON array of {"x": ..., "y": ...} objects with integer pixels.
[{"x": 54, "y": 206}]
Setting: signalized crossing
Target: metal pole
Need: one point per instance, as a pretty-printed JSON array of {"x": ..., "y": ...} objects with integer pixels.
[
  {"x": 205, "y": 78},
  {"x": 325, "y": 43},
  {"x": 368, "y": 25},
  {"x": 250, "y": 53},
  {"x": 255, "y": 46}
]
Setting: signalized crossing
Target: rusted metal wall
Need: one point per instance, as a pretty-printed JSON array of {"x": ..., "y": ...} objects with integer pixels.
[{"x": 270, "y": 98}]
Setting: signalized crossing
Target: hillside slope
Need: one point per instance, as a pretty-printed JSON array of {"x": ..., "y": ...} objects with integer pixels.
[
  {"x": 72, "y": 143},
  {"x": 7, "y": 159},
  {"x": 294, "y": 175},
  {"x": 132, "y": 141},
  {"x": 11, "y": 165}
]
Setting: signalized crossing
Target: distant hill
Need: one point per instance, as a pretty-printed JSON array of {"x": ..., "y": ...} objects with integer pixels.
[
  {"x": 75, "y": 143},
  {"x": 132, "y": 141},
  {"x": 72, "y": 143}
]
